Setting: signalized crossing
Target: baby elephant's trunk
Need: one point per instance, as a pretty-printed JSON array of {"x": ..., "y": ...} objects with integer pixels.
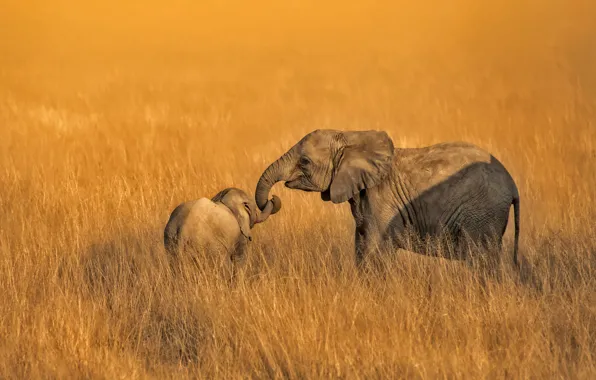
[{"x": 273, "y": 204}]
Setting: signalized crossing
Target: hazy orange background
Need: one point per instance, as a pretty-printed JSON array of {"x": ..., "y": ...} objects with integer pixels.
[{"x": 112, "y": 113}]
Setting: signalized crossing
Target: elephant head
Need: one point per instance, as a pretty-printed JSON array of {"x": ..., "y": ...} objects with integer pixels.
[
  {"x": 244, "y": 208},
  {"x": 335, "y": 163}
]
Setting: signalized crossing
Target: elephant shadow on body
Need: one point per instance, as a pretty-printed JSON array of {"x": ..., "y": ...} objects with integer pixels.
[{"x": 454, "y": 241}]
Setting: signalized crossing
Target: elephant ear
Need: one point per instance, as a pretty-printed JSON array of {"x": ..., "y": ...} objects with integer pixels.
[
  {"x": 244, "y": 223},
  {"x": 365, "y": 160},
  {"x": 230, "y": 198}
]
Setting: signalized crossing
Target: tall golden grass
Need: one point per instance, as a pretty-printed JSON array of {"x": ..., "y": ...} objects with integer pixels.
[{"x": 111, "y": 114}]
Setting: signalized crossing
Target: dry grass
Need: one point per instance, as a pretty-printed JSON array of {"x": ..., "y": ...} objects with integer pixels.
[{"x": 110, "y": 116}]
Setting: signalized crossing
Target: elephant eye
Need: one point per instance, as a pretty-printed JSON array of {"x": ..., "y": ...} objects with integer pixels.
[
  {"x": 304, "y": 161},
  {"x": 247, "y": 207}
]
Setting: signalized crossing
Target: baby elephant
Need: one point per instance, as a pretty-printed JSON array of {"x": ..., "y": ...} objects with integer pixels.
[{"x": 217, "y": 226}]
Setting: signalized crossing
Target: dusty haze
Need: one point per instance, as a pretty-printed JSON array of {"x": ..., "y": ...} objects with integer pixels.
[{"x": 112, "y": 114}]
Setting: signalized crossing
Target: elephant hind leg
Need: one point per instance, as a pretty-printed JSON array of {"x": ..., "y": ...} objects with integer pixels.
[
  {"x": 480, "y": 250},
  {"x": 483, "y": 226}
]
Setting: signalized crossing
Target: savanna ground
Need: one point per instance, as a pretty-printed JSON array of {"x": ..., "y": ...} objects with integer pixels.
[{"x": 112, "y": 114}]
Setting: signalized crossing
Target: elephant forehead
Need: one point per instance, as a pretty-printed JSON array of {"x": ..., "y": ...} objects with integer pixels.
[
  {"x": 238, "y": 194},
  {"x": 235, "y": 196},
  {"x": 317, "y": 146},
  {"x": 315, "y": 153}
]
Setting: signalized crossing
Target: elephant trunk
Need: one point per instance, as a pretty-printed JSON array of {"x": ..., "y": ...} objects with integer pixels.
[
  {"x": 279, "y": 170},
  {"x": 273, "y": 204}
]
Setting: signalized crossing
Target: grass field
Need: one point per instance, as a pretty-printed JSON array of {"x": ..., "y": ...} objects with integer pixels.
[{"x": 112, "y": 114}]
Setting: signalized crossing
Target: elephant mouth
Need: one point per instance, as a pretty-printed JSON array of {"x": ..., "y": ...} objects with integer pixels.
[
  {"x": 326, "y": 195},
  {"x": 293, "y": 184},
  {"x": 299, "y": 184}
]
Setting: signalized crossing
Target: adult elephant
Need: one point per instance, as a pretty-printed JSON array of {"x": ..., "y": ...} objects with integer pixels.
[{"x": 455, "y": 192}]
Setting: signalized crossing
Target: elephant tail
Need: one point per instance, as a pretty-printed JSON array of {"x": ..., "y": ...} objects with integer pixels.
[
  {"x": 526, "y": 271},
  {"x": 515, "y": 203}
]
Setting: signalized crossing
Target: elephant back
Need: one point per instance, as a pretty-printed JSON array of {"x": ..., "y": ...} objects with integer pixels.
[{"x": 210, "y": 226}]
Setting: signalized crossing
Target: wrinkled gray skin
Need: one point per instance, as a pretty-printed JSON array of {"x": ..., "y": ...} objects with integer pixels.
[
  {"x": 222, "y": 223},
  {"x": 453, "y": 190}
]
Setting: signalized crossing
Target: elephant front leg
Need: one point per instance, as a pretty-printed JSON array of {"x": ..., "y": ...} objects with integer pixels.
[
  {"x": 368, "y": 246},
  {"x": 360, "y": 245},
  {"x": 238, "y": 260}
]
